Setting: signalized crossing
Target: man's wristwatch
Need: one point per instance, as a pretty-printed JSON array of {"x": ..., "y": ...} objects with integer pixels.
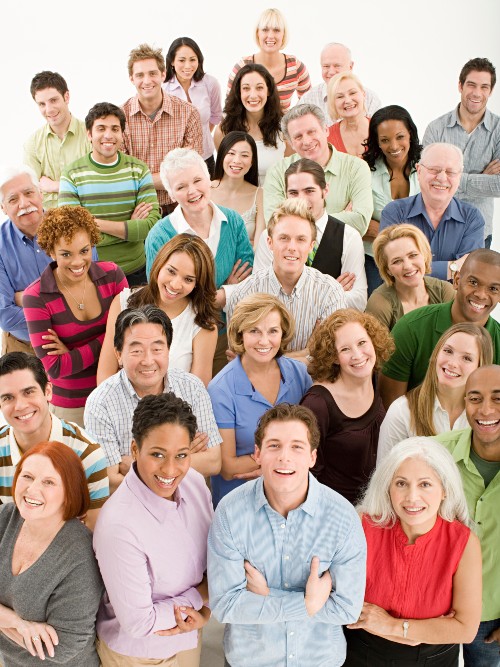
[
  {"x": 453, "y": 269},
  {"x": 406, "y": 625}
]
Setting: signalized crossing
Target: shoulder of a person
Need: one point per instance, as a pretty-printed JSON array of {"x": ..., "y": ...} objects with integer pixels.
[
  {"x": 421, "y": 313},
  {"x": 224, "y": 376},
  {"x": 179, "y": 375},
  {"x": 8, "y": 512}
]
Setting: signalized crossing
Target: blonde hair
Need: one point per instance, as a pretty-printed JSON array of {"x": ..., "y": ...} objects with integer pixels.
[
  {"x": 332, "y": 88},
  {"x": 145, "y": 52},
  {"x": 421, "y": 399},
  {"x": 272, "y": 18},
  {"x": 295, "y": 207},
  {"x": 251, "y": 310},
  {"x": 393, "y": 233}
]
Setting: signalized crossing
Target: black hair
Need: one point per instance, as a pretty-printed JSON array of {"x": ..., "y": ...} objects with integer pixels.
[
  {"x": 170, "y": 57},
  {"x": 231, "y": 138},
  {"x": 144, "y": 315},
  {"x": 101, "y": 110},
  {"x": 155, "y": 410},
  {"x": 20, "y": 361}
]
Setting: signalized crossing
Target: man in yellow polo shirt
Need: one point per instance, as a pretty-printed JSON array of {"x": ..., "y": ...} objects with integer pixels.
[{"x": 58, "y": 143}]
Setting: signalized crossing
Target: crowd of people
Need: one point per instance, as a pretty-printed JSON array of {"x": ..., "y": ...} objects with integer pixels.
[{"x": 249, "y": 368}]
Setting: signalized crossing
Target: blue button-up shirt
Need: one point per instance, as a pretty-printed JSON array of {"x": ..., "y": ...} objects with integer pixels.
[
  {"x": 460, "y": 230},
  {"x": 276, "y": 630},
  {"x": 21, "y": 263}
]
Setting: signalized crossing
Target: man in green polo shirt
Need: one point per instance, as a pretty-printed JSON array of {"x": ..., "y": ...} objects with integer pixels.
[
  {"x": 61, "y": 141},
  {"x": 476, "y": 451},
  {"x": 417, "y": 332}
]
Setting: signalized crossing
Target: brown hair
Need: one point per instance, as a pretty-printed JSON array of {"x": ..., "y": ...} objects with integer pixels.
[
  {"x": 145, "y": 52},
  {"x": 252, "y": 310},
  {"x": 63, "y": 223},
  {"x": 325, "y": 363},
  {"x": 67, "y": 463},
  {"x": 297, "y": 208},
  {"x": 286, "y": 412},
  {"x": 203, "y": 295},
  {"x": 306, "y": 166},
  {"x": 393, "y": 233},
  {"x": 421, "y": 399}
]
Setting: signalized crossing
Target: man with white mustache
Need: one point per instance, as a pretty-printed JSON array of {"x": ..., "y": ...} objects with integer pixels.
[{"x": 453, "y": 227}]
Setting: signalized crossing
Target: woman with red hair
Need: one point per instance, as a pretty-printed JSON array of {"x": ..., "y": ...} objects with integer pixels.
[{"x": 47, "y": 563}]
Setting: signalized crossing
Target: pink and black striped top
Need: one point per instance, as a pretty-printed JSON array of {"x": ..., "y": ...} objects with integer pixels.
[{"x": 73, "y": 374}]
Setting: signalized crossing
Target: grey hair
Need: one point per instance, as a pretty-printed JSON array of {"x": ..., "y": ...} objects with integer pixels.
[
  {"x": 8, "y": 173},
  {"x": 298, "y": 112},
  {"x": 442, "y": 144},
  {"x": 327, "y": 46},
  {"x": 178, "y": 159},
  {"x": 376, "y": 502}
]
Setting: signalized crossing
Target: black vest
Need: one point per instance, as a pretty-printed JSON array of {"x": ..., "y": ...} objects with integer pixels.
[{"x": 328, "y": 258}]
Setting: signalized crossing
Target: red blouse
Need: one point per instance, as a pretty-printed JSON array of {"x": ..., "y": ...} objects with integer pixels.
[{"x": 413, "y": 580}]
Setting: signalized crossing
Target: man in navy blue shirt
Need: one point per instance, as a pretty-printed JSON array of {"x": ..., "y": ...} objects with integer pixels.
[{"x": 453, "y": 228}]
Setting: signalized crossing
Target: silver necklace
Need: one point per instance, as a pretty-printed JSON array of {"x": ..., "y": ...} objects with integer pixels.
[{"x": 80, "y": 305}]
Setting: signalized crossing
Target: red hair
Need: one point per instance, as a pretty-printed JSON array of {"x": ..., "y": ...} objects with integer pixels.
[{"x": 67, "y": 463}]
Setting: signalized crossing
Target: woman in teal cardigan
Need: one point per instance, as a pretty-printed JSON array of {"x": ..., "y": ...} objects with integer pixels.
[{"x": 185, "y": 177}]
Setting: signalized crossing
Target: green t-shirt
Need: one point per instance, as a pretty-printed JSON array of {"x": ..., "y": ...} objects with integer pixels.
[
  {"x": 487, "y": 469},
  {"x": 416, "y": 335}
]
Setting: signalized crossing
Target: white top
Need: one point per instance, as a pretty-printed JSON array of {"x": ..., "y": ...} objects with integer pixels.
[
  {"x": 250, "y": 216},
  {"x": 318, "y": 96},
  {"x": 352, "y": 260},
  {"x": 181, "y": 226},
  {"x": 185, "y": 329},
  {"x": 396, "y": 425},
  {"x": 268, "y": 156}
]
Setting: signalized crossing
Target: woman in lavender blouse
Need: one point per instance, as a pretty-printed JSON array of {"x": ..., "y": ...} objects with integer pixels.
[{"x": 151, "y": 545}]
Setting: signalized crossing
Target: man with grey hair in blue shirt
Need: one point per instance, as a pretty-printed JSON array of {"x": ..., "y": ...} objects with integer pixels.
[
  {"x": 476, "y": 131},
  {"x": 286, "y": 555}
]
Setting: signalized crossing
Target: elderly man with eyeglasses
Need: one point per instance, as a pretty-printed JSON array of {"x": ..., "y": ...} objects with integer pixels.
[{"x": 452, "y": 227}]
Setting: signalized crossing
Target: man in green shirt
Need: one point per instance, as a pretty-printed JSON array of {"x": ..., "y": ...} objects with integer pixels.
[
  {"x": 417, "y": 332},
  {"x": 58, "y": 143},
  {"x": 349, "y": 198},
  {"x": 476, "y": 451}
]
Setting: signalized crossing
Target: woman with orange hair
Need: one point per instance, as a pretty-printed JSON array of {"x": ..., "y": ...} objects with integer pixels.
[
  {"x": 346, "y": 350},
  {"x": 50, "y": 586}
]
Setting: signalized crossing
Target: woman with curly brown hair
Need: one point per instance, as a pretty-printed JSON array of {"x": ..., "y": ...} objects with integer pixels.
[
  {"x": 346, "y": 350},
  {"x": 66, "y": 309},
  {"x": 181, "y": 283},
  {"x": 253, "y": 106}
]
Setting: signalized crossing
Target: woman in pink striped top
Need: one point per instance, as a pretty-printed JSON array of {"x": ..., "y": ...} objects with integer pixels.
[{"x": 66, "y": 309}]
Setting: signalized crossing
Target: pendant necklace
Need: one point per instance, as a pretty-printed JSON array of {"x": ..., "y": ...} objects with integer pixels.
[{"x": 80, "y": 305}]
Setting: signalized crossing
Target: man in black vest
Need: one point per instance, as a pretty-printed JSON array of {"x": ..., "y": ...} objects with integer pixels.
[{"x": 338, "y": 250}]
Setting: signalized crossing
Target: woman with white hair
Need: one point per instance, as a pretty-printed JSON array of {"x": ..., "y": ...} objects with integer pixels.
[
  {"x": 288, "y": 72},
  {"x": 347, "y": 105},
  {"x": 423, "y": 581},
  {"x": 185, "y": 177}
]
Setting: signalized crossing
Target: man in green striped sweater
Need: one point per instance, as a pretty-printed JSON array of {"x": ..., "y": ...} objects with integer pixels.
[{"x": 117, "y": 189}]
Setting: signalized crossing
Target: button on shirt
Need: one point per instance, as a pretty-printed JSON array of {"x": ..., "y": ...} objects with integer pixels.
[
  {"x": 152, "y": 554},
  {"x": 483, "y": 506},
  {"x": 265, "y": 631},
  {"x": 479, "y": 147},
  {"x": 460, "y": 230}
]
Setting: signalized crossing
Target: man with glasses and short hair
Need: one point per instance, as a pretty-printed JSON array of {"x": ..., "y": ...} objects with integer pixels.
[{"x": 452, "y": 227}]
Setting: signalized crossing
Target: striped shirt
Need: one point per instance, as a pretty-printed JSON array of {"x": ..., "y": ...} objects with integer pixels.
[
  {"x": 479, "y": 147},
  {"x": 314, "y": 297},
  {"x": 73, "y": 374},
  {"x": 177, "y": 124},
  {"x": 296, "y": 79},
  {"x": 90, "y": 453},
  {"x": 112, "y": 192},
  {"x": 110, "y": 408},
  {"x": 318, "y": 96},
  {"x": 277, "y": 630}
]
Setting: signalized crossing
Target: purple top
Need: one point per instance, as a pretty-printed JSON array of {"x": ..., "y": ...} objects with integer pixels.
[
  {"x": 205, "y": 96},
  {"x": 152, "y": 553}
]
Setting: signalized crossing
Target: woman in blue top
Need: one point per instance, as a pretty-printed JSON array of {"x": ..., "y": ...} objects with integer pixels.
[
  {"x": 392, "y": 152},
  {"x": 186, "y": 179},
  {"x": 260, "y": 377}
]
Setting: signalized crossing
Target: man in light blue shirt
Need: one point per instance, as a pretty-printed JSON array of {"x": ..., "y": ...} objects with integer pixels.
[{"x": 286, "y": 555}]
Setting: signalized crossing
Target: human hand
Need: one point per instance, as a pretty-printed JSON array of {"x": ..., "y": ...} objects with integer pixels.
[
  {"x": 376, "y": 620},
  {"x": 202, "y": 589},
  {"x": 372, "y": 231},
  {"x": 14, "y": 635},
  {"x": 124, "y": 465},
  {"x": 199, "y": 443},
  {"x": 141, "y": 211},
  {"x": 248, "y": 475},
  {"x": 56, "y": 346},
  {"x": 18, "y": 298},
  {"x": 492, "y": 168},
  {"x": 240, "y": 272},
  {"x": 230, "y": 355},
  {"x": 347, "y": 280},
  {"x": 48, "y": 185},
  {"x": 348, "y": 208},
  {"x": 256, "y": 581},
  {"x": 194, "y": 620},
  {"x": 318, "y": 588},
  {"x": 493, "y": 636},
  {"x": 37, "y": 637}
]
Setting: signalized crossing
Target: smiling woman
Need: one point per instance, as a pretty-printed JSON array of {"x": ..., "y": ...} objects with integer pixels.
[{"x": 67, "y": 307}]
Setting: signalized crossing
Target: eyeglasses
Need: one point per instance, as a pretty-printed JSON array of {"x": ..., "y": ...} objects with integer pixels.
[{"x": 437, "y": 170}]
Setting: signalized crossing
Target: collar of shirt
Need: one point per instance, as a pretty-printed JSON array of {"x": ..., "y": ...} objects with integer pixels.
[
  {"x": 243, "y": 386},
  {"x": 333, "y": 165},
  {"x": 452, "y": 211},
  {"x": 128, "y": 387},
  {"x": 486, "y": 120},
  {"x": 276, "y": 286},
  {"x": 48, "y": 282},
  {"x": 321, "y": 226},
  {"x": 72, "y": 127},
  {"x": 381, "y": 168},
  {"x": 181, "y": 225},
  {"x": 17, "y": 232},
  {"x": 174, "y": 84},
  {"x": 159, "y": 507},
  {"x": 462, "y": 450},
  {"x": 309, "y": 505},
  {"x": 166, "y": 107}
]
